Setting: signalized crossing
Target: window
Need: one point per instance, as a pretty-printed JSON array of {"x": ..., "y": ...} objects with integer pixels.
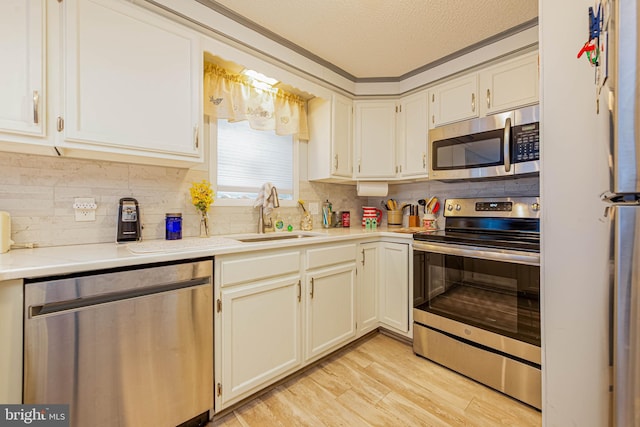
[{"x": 247, "y": 158}]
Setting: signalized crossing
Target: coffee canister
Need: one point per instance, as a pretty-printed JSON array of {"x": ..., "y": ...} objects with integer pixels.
[
  {"x": 173, "y": 226},
  {"x": 5, "y": 232},
  {"x": 346, "y": 219}
]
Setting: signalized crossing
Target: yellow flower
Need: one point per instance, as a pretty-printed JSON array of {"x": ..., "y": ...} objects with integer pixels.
[
  {"x": 301, "y": 203},
  {"x": 201, "y": 195}
]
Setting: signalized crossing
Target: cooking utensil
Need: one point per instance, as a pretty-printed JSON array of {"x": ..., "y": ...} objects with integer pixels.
[
  {"x": 431, "y": 205},
  {"x": 423, "y": 203}
]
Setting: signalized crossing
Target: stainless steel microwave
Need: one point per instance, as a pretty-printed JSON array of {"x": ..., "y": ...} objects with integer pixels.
[{"x": 503, "y": 144}]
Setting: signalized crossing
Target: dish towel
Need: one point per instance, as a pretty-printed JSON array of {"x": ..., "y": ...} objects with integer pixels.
[{"x": 263, "y": 198}]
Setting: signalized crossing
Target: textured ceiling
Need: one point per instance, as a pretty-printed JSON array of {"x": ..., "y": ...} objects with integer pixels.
[{"x": 381, "y": 38}]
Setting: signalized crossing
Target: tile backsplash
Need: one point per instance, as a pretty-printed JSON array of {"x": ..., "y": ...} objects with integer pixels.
[
  {"x": 411, "y": 193},
  {"x": 39, "y": 192}
]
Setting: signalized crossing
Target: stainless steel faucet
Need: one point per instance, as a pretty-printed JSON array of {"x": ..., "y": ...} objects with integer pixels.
[{"x": 276, "y": 204}]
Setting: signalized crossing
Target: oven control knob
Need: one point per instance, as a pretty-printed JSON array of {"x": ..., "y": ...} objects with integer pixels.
[
  {"x": 535, "y": 207},
  {"x": 458, "y": 207},
  {"x": 449, "y": 208}
]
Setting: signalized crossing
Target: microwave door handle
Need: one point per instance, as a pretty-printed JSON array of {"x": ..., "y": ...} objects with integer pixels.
[{"x": 507, "y": 144}]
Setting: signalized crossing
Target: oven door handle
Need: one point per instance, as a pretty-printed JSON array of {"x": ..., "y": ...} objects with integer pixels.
[{"x": 516, "y": 257}]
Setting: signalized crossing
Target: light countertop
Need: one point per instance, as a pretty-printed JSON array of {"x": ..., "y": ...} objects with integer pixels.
[{"x": 48, "y": 261}]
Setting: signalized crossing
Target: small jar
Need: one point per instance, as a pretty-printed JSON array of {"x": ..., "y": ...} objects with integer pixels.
[
  {"x": 346, "y": 218},
  {"x": 173, "y": 226},
  {"x": 429, "y": 222}
]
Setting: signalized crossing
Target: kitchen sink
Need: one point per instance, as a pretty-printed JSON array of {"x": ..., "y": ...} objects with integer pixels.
[{"x": 272, "y": 237}]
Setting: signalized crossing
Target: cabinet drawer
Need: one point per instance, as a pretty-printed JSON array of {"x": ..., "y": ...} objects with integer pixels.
[
  {"x": 240, "y": 269},
  {"x": 330, "y": 255}
]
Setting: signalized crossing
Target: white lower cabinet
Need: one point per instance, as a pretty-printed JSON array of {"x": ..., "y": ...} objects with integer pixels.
[
  {"x": 279, "y": 310},
  {"x": 260, "y": 335},
  {"x": 330, "y": 309},
  {"x": 11, "y": 324},
  {"x": 367, "y": 290},
  {"x": 394, "y": 286},
  {"x": 385, "y": 271},
  {"x": 257, "y": 322},
  {"x": 330, "y": 298},
  {"x": 273, "y": 315}
]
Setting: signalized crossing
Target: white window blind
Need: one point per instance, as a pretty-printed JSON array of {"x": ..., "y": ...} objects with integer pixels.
[{"x": 248, "y": 158}]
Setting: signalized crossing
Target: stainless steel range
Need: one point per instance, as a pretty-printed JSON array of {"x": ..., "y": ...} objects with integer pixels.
[{"x": 477, "y": 293}]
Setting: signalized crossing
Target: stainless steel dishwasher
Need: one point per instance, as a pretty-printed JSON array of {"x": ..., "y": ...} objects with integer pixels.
[{"x": 123, "y": 347}]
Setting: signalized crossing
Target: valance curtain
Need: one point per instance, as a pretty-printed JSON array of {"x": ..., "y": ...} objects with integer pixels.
[{"x": 235, "y": 98}]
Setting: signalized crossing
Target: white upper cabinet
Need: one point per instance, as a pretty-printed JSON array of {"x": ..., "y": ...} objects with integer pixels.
[
  {"x": 22, "y": 74},
  {"x": 512, "y": 84},
  {"x": 330, "y": 143},
  {"x": 454, "y": 101},
  {"x": 375, "y": 139},
  {"x": 132, "y": 83},
  {"x": 412, "y": 136}
]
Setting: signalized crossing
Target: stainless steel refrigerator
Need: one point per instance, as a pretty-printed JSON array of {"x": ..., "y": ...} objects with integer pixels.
[{"x": 625, "y": 207}]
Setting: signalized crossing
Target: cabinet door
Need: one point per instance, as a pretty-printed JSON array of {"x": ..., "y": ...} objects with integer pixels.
[
  {"x": 375, "y": 139},
  {"x": 260, "y": 336},
  {"x": 367, "y": 295},
  {"x": 131, "y": 81},
  {"x": 394, "y": 285},
  {"x": 330, "y": 309},
  {"x": 510, "y": 85},
  {"x": 412, "y": 135},
  {"x": 342, "y": 123},
  {"x": 454, "y": 101},
  {"x": 22, "y": 91},
  {"x": 11, "y": 336},
  {"x": 331, "y": 136}
]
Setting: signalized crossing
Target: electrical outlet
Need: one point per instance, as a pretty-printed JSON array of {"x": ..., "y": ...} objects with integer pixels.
[
  {"x": 313, "y": 208},
  {"x": 85, "y": 209}
]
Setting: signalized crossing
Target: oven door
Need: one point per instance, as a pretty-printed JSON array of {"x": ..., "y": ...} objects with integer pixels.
[
  {"x": 488, "y": 296},
  {"x": 478, "y": 148}
]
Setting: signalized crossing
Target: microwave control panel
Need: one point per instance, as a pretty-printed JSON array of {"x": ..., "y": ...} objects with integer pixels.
[{"x": 526, "y": 142}]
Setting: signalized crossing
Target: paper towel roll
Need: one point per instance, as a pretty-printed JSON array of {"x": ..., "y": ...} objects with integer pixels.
[{"x": 373, "y": 189}]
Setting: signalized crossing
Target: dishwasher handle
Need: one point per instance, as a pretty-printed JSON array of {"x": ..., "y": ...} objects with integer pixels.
[{"x": 79, "y": 303}]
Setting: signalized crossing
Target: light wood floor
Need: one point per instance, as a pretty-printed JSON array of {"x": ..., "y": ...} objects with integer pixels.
[{"x": 381, "y": 382}]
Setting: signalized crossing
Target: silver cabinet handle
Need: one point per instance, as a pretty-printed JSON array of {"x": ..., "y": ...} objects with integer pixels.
[
  {"x": 312, "y": 286},
  {"x": 473, "y": 102},
  {"x": 507, "y": 144},
  {"x": 424, "y": 160},
  {"x": 196, "y": 137},
  {"x": 36, "y": 107},
  {"x": 363, "y": 257},
  {"x": 336, "y": 162},
  {"x": 488, "y": 98},
  {"x": 299, "y": 290}
]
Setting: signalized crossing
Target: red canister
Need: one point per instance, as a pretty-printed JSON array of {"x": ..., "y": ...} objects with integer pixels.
[{"x": 346, "y": 219}]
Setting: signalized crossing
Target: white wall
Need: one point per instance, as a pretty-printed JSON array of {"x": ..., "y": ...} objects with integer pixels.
[{"x": 575, "y": 286}]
